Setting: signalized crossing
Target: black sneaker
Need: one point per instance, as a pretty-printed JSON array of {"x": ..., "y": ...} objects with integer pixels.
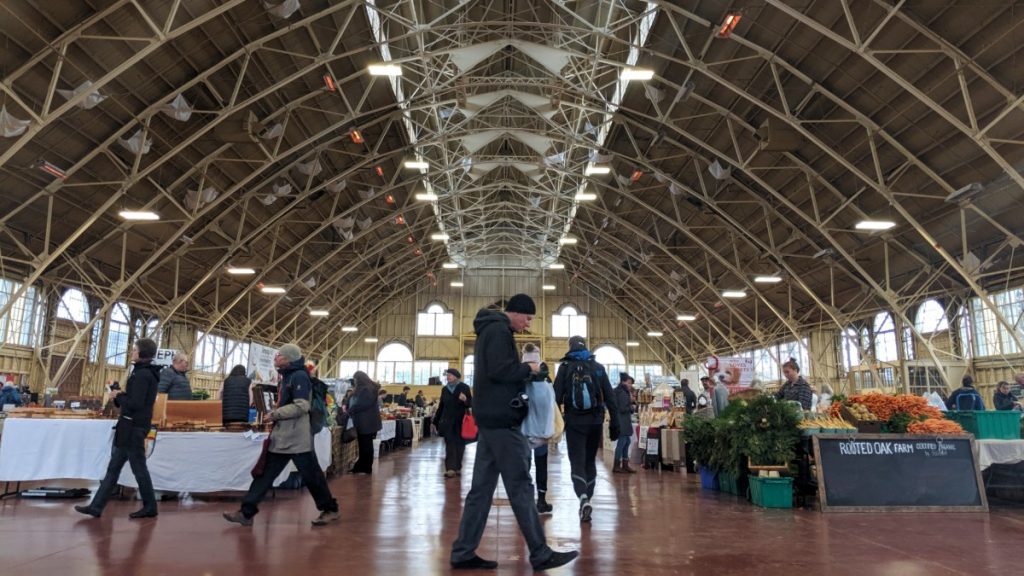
[
  {"x": 543, "y": 507},
  {"x": 143, "y": 513},
  {"x": 475, "y": 563},
  {"x": 238, "y": 518},
  {"x": 88, "y": 510},
  {"x": 557, "y": 559}
]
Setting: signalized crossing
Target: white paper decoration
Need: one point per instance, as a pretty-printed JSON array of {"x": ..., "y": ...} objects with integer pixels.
[
  {"x": 179, "y": 108},
  {"x": 282, "y": 189},
  {"x": 365, "y": 223},
  {"x": 90, "y": 101},
  {"x": 284, "y": 9},
  {"x": 268, "y": 199},
  {"x": 137, "y": 143},
  {"x": 337, "y": 186},
  {"x": 10, "y": 125},
  {"x": 311, "y": 168},
  {"x": 194, "y": 199},
  {"x": 272, "y": 132}
]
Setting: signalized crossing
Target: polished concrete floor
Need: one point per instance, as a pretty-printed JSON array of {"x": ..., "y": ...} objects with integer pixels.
[{"x": 403, "y": 519}]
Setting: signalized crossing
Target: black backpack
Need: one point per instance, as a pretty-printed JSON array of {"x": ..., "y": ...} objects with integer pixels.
[
  {"x": 317, "y": 406},
  {"x": 585, "y": 394}
]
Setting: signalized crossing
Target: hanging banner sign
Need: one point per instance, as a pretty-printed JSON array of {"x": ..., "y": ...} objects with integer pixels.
[
  {"x": 261, "y": 364},
  {"x": 737, "y": 371}
]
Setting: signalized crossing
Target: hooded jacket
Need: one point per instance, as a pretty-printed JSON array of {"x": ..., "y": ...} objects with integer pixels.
[
  {"x": 965, "y": 398},
  {"x": 136, "y": 403},
  {"x": 624, "y": 410},
  {"x": 291, "y": 433},
  {"x": 563, "y": 383},
  {"x": 363, "y": 406},
  {"x": 175, "y": 384},
  {"x": 499, "y": 376}
]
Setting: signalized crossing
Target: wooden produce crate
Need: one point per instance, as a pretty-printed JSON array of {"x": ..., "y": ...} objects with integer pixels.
[{"x": 863, "y": 426}]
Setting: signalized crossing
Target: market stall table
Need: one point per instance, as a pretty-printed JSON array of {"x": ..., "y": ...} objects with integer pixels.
[
  {"x": 999, "y": 452},
  {"x": 48, "y": 449}
]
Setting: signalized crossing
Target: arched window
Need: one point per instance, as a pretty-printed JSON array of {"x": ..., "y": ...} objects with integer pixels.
[
  {"x": 435, "y": 321},
  {"x": 468, "y": 367},
  {"x": 885, "y": 338},
  {"x": 568, "y": 322},
  {"x": 117, "y": 335},
  {"x": 931, "y": 318},
  {"x": 394, "y": 364},
  {"x": 73, "y": 306},
  {"x": 851, "y": 346},
  {"x": 613, "y": 360}
]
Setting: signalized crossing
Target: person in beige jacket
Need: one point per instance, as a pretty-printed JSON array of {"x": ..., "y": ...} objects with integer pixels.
[{"x": 291, "y": 440}]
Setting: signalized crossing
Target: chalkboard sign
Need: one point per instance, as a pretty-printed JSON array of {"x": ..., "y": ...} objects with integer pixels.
[{"x": 895, "y": 472}]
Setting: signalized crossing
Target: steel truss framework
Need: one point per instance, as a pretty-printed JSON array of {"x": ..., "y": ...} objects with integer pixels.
[{"x": 815, "y": 117}]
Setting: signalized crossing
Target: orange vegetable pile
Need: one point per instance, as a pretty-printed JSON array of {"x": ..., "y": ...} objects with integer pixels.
[
  {"x": 935, "y": 426},
  {"x": 884, "y": 406}
]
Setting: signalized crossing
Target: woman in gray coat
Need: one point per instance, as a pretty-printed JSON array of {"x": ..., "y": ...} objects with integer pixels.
[{"x": 624, "y": 411}]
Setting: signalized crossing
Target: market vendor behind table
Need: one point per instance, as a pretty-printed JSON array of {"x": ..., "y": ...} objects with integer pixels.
[
  {"x": 796, "y": 389},
  {"x": 174, "y": 379}
]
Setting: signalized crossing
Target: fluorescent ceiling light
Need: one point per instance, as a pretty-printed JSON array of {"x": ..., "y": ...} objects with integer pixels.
[
  {"x": 548, "y": 287},
  {"x": 768, "y": 279},
  {"x": 557, "y": 266},
  {"x": 655, "y": 334},
  {"x": 138, "y": 215},
  {"x": 686, "y": 317},
  {"x": 417, "y": 165},
  {"x": 319, "y": 313},
  {"x": 349, "y": 329},
  {"x": 241, "y": 271},
  {"x": 593, "y": 170},
  {"x": 637, "y": 74},
  {"x": 875, "y": 225},
  {"x": 370, "y": 340},
  {"x": 734, "y": 294},
  {"x": 426, "y": 197},
  {"x": 567, "y": 241},
  {"x": 449, "y": 265},
  {"x": 586, "y": 197},
  {"x": 457, "y": 284},
  {"x": 439, "y": 236},
  {"x": 632, "y": 344},
  {"x": 385, "y": 70},
  {"x": 273, "y": 290}
]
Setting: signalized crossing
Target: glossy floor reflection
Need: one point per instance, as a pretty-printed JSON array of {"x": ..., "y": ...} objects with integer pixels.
[{"x": 404, "y": 518}]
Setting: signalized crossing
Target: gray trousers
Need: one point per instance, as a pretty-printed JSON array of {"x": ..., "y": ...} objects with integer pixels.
[{"x": 504, "y": 452}]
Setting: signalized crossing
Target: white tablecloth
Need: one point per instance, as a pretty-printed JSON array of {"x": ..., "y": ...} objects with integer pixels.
[
  {"x": 50, "y": 449},
  {"x": 999, "y": 452},
  {"x": 387, "y": 431}
]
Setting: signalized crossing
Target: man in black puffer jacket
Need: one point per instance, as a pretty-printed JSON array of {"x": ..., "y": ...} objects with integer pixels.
[
  {"x": 500, "y": 406},
  {"x": 136, "y": 404}
]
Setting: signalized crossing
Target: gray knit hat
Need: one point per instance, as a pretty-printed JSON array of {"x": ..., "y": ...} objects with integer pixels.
[{"x": 291, "y": 352}]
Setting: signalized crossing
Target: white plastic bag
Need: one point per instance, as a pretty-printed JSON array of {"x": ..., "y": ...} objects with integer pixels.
[
  {"x": 935, "y": 400},
  {"x": 540, "y": 420}
]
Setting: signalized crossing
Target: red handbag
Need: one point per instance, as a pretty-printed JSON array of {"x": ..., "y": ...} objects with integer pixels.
[{"x": 469, "y": 429}]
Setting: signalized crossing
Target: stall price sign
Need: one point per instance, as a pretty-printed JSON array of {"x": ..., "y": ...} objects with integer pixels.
[{"x": 899, "y": 473}]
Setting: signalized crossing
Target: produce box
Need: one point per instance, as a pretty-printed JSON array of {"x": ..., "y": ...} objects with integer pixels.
[
  {"x": 771, "y": 492},
  {"x": 988, "y": 424},
  {"x": 863, "y": 426}
]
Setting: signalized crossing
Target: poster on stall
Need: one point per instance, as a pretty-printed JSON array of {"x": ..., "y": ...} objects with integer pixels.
[
  {"x": 164, "y": 356},
  {"x": 739, "y": 370},
  {"x": 261, "y": 364}
]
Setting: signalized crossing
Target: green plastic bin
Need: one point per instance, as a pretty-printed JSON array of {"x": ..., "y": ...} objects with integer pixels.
[
  {"x": 988, "y": 424},
  {"x": 727, "y": 483},
  {"x": 771, "y": 492}
]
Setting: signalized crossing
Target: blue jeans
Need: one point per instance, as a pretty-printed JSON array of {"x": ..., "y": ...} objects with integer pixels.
[{"x": 622, "y": 447}]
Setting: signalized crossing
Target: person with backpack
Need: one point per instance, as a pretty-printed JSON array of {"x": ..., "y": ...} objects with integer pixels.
[
  {"x": 965, "y": 397},
  {"x": 582, "y": 387},
  {"x": 291, "y": 440}
]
